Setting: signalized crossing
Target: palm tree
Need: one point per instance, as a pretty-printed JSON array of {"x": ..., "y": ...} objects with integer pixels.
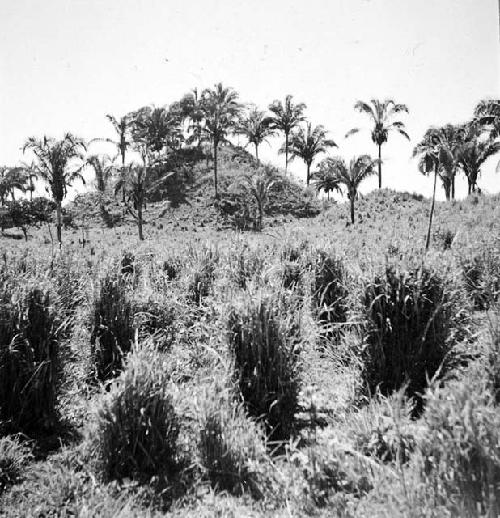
[
  {"x": 122, "y": 127},
  {"x": 59, "y": 164},
  {"x": 103, "y": 167},
  {"x": 221, "y": 110},
  {"x": 487, "y": 115},
  {"x": 11, "y": 178},
  {"x": 152, "y": 130},
  {"x": 325, "y": 178},
  {"x": 255, "y": 126},
  {"x": 190, "y": 108},
  {"x": 359, "y": 169},
  {"x": 471, "y": 156},
  {"x": 451, "y": 138},
  {"x": 308, "y": 144},
  {"x": 258, "y": 186},
  {"x": 434, "y": 156},
  {"x": 381, "y": 114},
  {"x": 287, "y": 116}
]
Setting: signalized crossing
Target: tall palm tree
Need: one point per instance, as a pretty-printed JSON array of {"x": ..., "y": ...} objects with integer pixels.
[
  {"x": 11, "y": 178},
  {"x": 103, "y": 167},
  {"x": 434, "y": 156},
  {"x": 286, "y": 117},
  {"x": 472, "y": 155},
  {"x": 359, "y": 169},
  {"x": 190, "y": 109},
  {"x": 325, "y": 178},
  {"x": 258, "y": 186},
  {"x": 59, "y": 164},
  {"x": 221, "y": 110},
  {"x": 381, "y": 114},
  {"x": 255, "y": 127},
  {"x": 308, "y": 144}
]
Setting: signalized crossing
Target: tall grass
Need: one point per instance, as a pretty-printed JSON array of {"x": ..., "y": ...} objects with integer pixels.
[
  {"x": 461, "y": 449},
  {"x": 409, "y": 318},
  {"x": 112, "y": 327},
  {"x": 230, "y": 445},
  {"x": 136, "y": 427},
  {"x": 29, "y": 360},
  {"x": 262, "y": 338}
]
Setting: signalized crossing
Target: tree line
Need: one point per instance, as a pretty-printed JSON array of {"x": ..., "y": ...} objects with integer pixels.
[{"x": 210, "y": 117}]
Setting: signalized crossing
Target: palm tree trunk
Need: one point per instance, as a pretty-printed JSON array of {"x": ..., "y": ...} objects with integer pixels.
[
  {"x": 59, "y": 222},
  {"x": 140, "y": 198},
  {"x": 215, "y": 170},
  {"x": 328, "y": 195},
  {"x": 259, "y": 204},
  {"x": 256, "y": 152},
  {"x": 286, "y": 153},
  {"x": 453, "y": 188},
  {"x": 431, "y": 215},
  {"x": 380, "y": 166},
  {"x": 351, "y": 198},
  {"x": 308, "y": 174}
]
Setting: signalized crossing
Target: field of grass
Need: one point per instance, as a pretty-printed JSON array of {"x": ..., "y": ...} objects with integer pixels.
[{"x": 316, "y": 368}]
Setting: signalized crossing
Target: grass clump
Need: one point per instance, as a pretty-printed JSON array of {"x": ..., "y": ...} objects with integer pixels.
[
  {"x": 112, "y": 327},
  {"x": 155, "y": 318},
  {"x": 409, "y": 320},
  {"x": 136, "y": 426},
  {"x": 461, "y": 449},
  {"x": 14, "y": 456},
  {"x": 202, "y": 276},
  {"x": 262, "y": 339},
  {"x": 330, "y": 291},
  {"x": 230, "y": 445},
  {"x": 29, "y": 360}
]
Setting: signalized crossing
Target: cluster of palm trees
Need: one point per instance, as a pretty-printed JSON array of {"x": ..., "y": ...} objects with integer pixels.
[{"x": 215, "y": 115}]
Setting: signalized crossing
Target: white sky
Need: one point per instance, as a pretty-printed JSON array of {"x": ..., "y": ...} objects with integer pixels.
[{"x": 64, "y": 64}]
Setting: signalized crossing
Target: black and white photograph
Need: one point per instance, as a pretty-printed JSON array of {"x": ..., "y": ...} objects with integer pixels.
[{"x": 250, "y": 258}]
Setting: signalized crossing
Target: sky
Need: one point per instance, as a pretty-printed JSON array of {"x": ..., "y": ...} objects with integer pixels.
[{"x": 64, "y": 64}]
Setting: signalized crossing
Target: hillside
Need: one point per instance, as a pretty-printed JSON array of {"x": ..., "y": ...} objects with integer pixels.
[{"x": 315, "y": 368}]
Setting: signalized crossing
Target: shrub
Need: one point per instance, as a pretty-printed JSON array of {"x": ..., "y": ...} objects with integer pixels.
[
  {"x": 330, "y": 291},
  {"x": 249, "y": 264},
  {"x": 230, "y": 445},
  {"x": 29, "y": 360},
  {"x": 262, "y": 340},
  {"x": 409, "y": 321},
  {"x": 136, "y": 426},
  {"x": 14, "y": 456},
  {"x": 461, "y": 449},
  {"x": 112, "y": 327}
]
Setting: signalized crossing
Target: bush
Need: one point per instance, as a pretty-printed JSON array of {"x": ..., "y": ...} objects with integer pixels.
[
  {"x": 409, "y": 319},
  {"x": 14, "y": 456},
  {"x": 112, "y": 327},
  {"x": 461, "y": 449},
  {"x": 330, "y": 292},
  {"x": 136, "y": 429},
  {"x": 262, "y": 340},
  {"x": 155, "y": 319},
  {"x": 230, "y": 446},
  {"x": 29, "y": 360}
]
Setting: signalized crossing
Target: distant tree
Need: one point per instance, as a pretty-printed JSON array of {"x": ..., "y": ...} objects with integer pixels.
[
  {"x": 152, "y": 130},
  {"x": 104, "y": 168},
  {"x": 286, "y": 117},
  {"x": 487, "y": 116},
  {"x": 59, "y": 163},
  {"x": 254, "y": 125},
  {"x": 221, "y": 110},
  {"x": 452, "y": 138},
  {"x": 471, "y": 156},
  {"x": 123, "y": 140},
  {"x": 24, "y": 214},
  {"x": 189, "y": 108},
  {"x": 11, "y": 178},
  {"x": 434, "y": 156},
  {"x": 381, "y": 115},
  {"x": 325, "y": 178},
  {"x": 359, "y": 169},
  {"x": 308, "y": 144},
  {"x": 258, "y": 186}
]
